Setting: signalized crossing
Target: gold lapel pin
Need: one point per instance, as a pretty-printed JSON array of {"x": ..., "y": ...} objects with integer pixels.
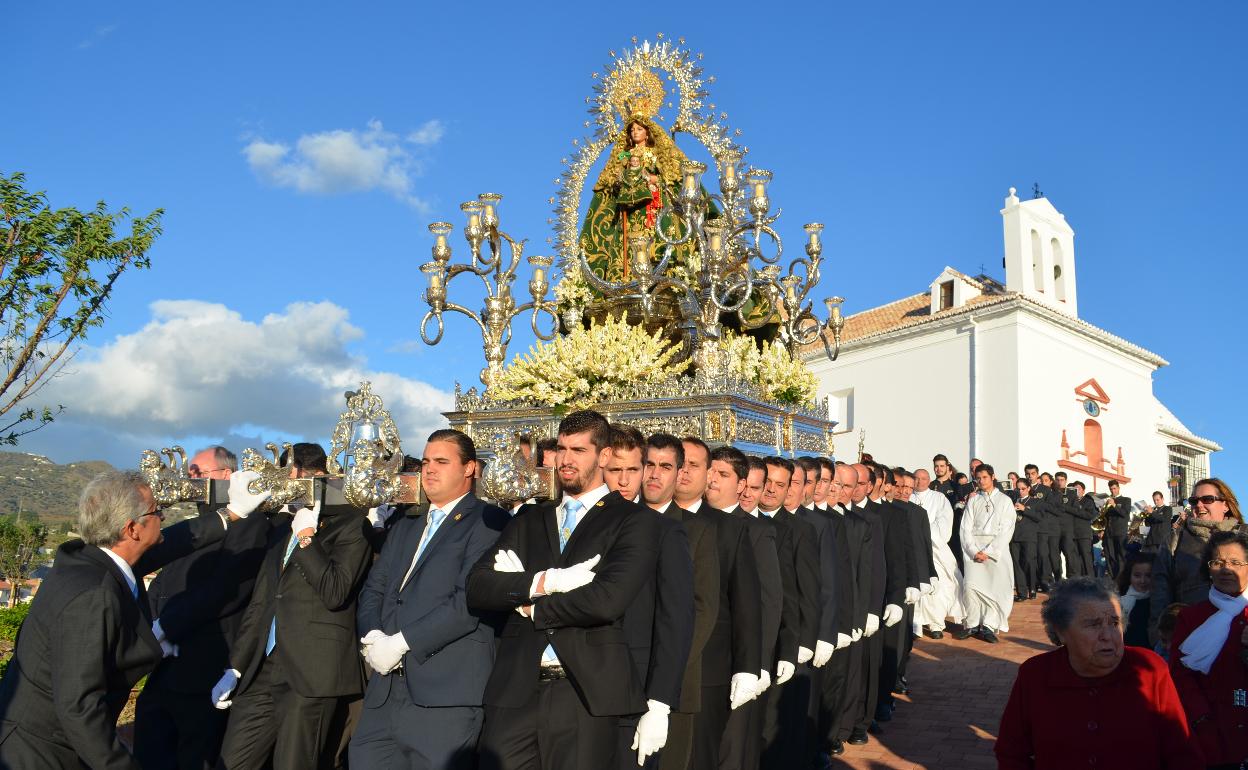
[
  {"x": 601, "y": 503},
  {"x": 457, "y": 517}
]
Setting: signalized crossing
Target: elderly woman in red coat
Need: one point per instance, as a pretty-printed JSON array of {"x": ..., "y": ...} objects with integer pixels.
[
  {"x": 1209, "y": 653},
  {"x": 1092, "y": 702}
]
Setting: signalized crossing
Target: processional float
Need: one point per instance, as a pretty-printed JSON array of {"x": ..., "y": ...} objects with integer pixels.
[{"x": 675, "y": 309}]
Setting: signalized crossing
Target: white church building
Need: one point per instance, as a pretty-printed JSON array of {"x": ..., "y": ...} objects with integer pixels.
[{"x": 1009, "y": 374}]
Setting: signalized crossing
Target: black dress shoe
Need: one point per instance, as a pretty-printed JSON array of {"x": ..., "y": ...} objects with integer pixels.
[
  {"x": 935, "y": 634},
  {"x": 858, "y": 737},
  {"x": 1018, "y": 598},
  {"x": 988, "y": 636},
  {"x": 962, "y": 633},
  {"x": 838, "y": 748},
  {"x": 874, "y": 728},
  {"x": 883, "y": 713},
  {"x": 1031, "y": 595}
]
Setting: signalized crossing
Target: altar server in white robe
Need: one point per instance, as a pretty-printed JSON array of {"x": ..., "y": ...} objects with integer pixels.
[
  {"x": 945, "y": 598},
  {"x": 987, "y": 526}
]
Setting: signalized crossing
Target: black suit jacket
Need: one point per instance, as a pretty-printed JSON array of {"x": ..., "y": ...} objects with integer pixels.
[
  {"x": 1027, "y": 521},
  {"x": 804, "y": 553},
  {"x": 659, "y": 622},
  {"x": 450, "y": 648},
  {"x": 1085, "y": 513},
  {"x": 702, "y": 547},
  {"x": 735, "y": 645},
  {"x": 86, "y": 642},
  {"x": 199, "y": 600},
  {"x": 835, "y": 573},
  {"x": 1118, "y": 518},
  {"x": 314, "y": 601},
  {"x": 1159, "y": 529},
  {"x": 921, "y": 537},
  {"x": 1049, "y": 507},
  {"x": 761, "y": 535},
  {"x": 896, "y": 564},
  {"x": 585, "y": 626}
]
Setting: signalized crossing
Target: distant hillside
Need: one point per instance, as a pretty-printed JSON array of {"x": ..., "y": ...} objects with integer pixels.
[{"x": 36, "y": 485}]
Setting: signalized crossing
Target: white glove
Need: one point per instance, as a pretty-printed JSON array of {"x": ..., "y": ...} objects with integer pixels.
[
  {"x": 855, "y": 635},
  {"x": 764, "y": 681},
  {"x": 912, "y": 595},
  {"x": 224, "y": 686},
  {"x": 570, "y": 578},
  {"x": 386, "y": 652},
  {"x": 507, "y": 561},
  {"x": 167, "y": 648},
  {"x": 379, "y": 515},
  {"x": 823, "y": 653},
  {"x": 926, "y": 589},
  {"x": 651, "y": 733},
  {"x": 935, "y": 583},
  {"x": 742, "y": 689},
  {"x": 242, "y": 502},
  {"x": 873, "y": 625},
  {"x": 805, "y": 654},
  {"x": 784, "y": 672},
  {"x": 306, "y": 518},
  {"x": 843, "y": 641},
  {"x": 892, "y": 614},
  {"x": 367, "y": 640}
]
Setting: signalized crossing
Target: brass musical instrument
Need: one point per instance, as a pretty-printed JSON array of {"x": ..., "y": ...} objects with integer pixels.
[{"x": 1102, "y": 520}]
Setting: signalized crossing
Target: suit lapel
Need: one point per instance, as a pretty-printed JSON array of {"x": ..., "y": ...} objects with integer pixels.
[
  {"x": 550, "y": 522},
  {"x": 591, "y": 519},
  {"x": 464, "y": 510},
  {"x": 139, "y": 604}
]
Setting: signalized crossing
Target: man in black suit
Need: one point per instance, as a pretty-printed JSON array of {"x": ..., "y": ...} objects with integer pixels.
[
  {"x": 88, "y": 638},
  {"x": 1067, "y": 502},
  {"x": 660, "y": 622},
  {"x": 1160, "y": 525},
  {"x": 665, "y": 455},
  {"x": 563, "y": 676},
  {"x": 944, "y": 482},
  {"x": 1085, "y": 513},
  {"x": 429, "y": 654},
  {"x": 901, "y": 589},
  {"x": 1117, "y": 522},
  {"x": 919, "y": 527},
  {"x": 732, "y": 657},
  {"x": 198, "y": 601},
  {"x": 1048, "y": 532},
  {"x": 296, "y": 660},
  {"x": 874, "y": 578}
]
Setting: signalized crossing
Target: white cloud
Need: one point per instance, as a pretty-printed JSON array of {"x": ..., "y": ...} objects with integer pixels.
[
  {"x": 345, "y": 161},
  {"x": 199, "y": 369},
  {"x": 99, "y": 34}
]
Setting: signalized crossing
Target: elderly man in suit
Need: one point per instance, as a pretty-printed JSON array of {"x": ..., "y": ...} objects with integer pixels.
[
  {"x": 563, "y": 676},
  {"x": 429, "y": 653},
  {"x": 89, "y": 638},
  {"x": 296, "y": 658}
]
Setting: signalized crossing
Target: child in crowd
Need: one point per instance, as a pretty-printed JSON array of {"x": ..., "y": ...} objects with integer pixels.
[
  {"x": 1165, "y": 628},
  {"x": 1135, "y": 583},
  {"x": 1098, "y": 555}
]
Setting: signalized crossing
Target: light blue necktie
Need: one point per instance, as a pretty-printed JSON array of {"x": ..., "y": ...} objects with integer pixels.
[
  {"x": 268, "y": 647},
  {"x": 436, "y": 516},
  {"x": 571, "y": 512}
]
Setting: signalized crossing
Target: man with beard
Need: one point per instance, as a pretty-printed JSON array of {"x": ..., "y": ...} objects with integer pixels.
[
  {"x": 947, "y": 485},
  {"x": 664, "y": 457},
  {"x": 659, "y": 623},
  {"x": 562, "y": 676},
  {"x": 732, "y": 657},
  {"x": 986, "y": 532},
  {"x": 740, "y": 746}
]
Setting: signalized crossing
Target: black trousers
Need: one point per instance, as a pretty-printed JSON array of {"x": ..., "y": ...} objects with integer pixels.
[
  {"x": 1083, "y": 552},
  {"x": 849, "y": 706},
  {"x": 1070, "y": 552},
  {"x": 175, "y": 730},
  {"x": 1044, "y": 560},
  {"x": 786, "y": 721},
  {"x": 402, "y": 734},
  {"x": 1055, "y": 556},
  {"x": 708, "y": 727},
  {"x": 552, "y": 731},
  {"x": 868, "y": 698},
  {"x": 1115, "y": 552},
  {"x": 893, "y": 646},
  {"x": 678, "y": 751},
  {"x": 272, "y": 721},
  {"x": 741, "y": 744},
  {"x": 908, "y": 621},
  {"x": 1023, "y": 552}
]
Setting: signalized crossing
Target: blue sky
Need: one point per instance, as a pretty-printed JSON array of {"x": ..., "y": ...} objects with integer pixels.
[{"x": 900, "y": 127}]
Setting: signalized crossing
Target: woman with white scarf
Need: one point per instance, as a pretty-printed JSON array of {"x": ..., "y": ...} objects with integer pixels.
[{"x": 1209, "y": 654}]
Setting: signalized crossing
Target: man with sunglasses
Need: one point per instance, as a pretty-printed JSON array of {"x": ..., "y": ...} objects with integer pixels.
[
  {"x": 88, "y": 638},
  {"x": 1177, "y": 568}
]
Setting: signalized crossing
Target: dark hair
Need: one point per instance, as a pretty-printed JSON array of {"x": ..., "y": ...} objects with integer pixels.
[
  {"x": 1059, "y": 609},
  {"x": 1028, "y": 467},
  {"x": 544, "y": 446},
  {"x": 808, "y": 463},
  {"x": 962, "y": 477},
  {"x": 626, "y": 438},
  {"x": 870, "y": 472},
  {"x": 756, "y": 464},
  {"x": 628, "y": 136},
  {"x": 734, "y": 457},
  {"x": 1114, "y": 483},
  {"x": 781, "y": 462},
  {"x": 467, "y": 449},
  {"x": 826, "y": 464},
  {"x": 1238, "y": 535},
  {"x": 1060, "y": 474},
  {"x": 1046, "y": 473},
  {"x": 698, "y": 443},
  {"x": 1124, "y": 574},
  {"x": 1170, "y": 617},
  {"x": 1158, "y": 493},
  {"x": 1080, "y": 484},
  {"x": 587, "y": 421},
  {"x": 1023, "y": 482},
  {"x": 667, "y": 441},
  {"x": 986, "y": 467},
  {"x": 887, "y": 473},
  {"x": 900, "y": 471},
  {"x": 1224, "y": 491},
  {"x": 223, "y": 457},
  {"x": 939, "y": 458},
  {"x": 306, "y": 457}
]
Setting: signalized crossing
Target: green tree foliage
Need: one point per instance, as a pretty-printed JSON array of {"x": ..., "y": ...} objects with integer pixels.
[
  {"x": 19, "y": 552},
  {"x": 58, "y": 268}
]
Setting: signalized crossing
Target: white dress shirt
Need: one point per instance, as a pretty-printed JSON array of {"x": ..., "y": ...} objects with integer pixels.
[{"x": 126, "y": 571}]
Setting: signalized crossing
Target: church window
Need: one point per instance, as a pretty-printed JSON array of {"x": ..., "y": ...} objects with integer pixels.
[{"x": 946, "y": 295}]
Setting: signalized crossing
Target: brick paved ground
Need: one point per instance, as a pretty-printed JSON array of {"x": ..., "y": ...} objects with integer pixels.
[{"x": 957, "y": 693}]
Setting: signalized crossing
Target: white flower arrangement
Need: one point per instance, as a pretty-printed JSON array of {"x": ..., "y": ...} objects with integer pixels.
[
  {"x": 573, "y": 291},
  {"x": 588, "y": 366},
  {"x": 778, "y": 375}
]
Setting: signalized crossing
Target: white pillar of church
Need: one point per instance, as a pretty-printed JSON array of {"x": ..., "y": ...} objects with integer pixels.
[{"x": 1039, "y": 253}]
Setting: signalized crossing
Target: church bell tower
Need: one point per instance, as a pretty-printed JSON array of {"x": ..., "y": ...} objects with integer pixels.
[{"x": 1039, "y": 253}]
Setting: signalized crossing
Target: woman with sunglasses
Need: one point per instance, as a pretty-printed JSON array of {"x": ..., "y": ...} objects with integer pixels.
[
  {"x": 1209, "y": 651},
  {"x": 1178, "y": 569}
]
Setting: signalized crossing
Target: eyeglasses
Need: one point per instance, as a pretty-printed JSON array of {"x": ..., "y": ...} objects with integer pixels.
[
  {"x": 1220, "y": 563},
  {"x": 194, "y": 471},
  {"x": 1206, "y": 499},
  {"x": 158, "y": 513}
]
